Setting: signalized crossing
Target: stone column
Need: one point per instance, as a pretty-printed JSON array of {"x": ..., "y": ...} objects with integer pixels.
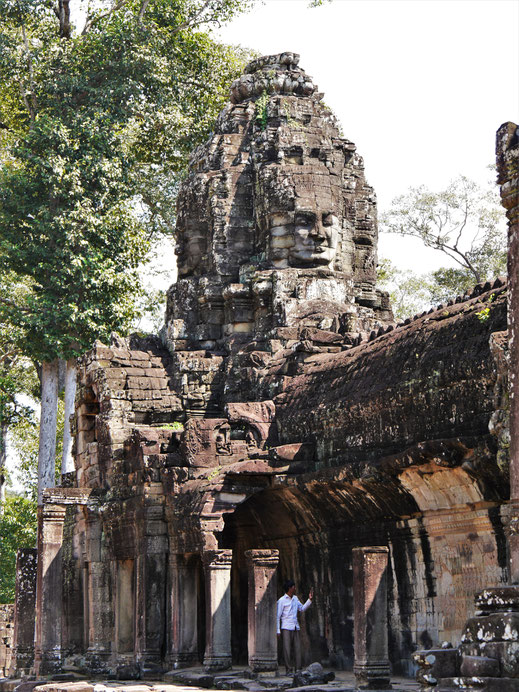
[
  {"x": 217, "y": 570},
  {"x": 507, "y": 156},
  {"x": 262, "y": 584},
  {"x": 24, "y": 609},
  {"x": 49, "y": 597},
  {"x": 124, "y": 624},
  {"x": 183, "y": 581},
  {"x": 371, "y": 666},
  {"x": 151, "y": 603},
  {"x": 98, "y": 600}
]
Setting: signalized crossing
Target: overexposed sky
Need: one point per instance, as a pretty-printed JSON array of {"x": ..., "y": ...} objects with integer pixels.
[{"x": 420, "y": 86}]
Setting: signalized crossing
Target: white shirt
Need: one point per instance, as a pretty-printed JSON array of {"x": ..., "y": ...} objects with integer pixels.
[{"x": 288, "y": 608}]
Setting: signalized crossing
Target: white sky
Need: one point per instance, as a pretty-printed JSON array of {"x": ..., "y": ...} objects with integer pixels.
[{"x": 420, "y": 86}]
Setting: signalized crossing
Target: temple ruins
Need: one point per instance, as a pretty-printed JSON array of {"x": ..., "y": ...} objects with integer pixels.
[{"x": 283, "y": 425}]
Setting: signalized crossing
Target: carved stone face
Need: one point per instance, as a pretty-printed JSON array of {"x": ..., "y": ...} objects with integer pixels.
[
  {"x": 316, "y": 234},
  {"x": 307, "y": 237},
  {"x": 192, "y": 246}
]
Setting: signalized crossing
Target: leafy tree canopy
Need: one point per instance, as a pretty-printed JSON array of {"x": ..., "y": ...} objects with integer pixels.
[
  {"x": 17, "y": 530},
  {"x": 96, "y": 126},
  {"x": 465, "y": 221},
  {"x": 17, "y": 373}
]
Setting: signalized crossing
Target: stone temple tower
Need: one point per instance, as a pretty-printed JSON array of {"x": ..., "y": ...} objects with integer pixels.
[
  {"x": 282, "y": 424},
  {"x": 276, "y": 224}
]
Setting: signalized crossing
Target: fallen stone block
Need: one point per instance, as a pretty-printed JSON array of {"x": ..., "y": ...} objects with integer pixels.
[
  {"x": 27, "y": 686},
  {"x": 480, "y": 666},
  {"x": 7, "y": 685},
  {"x": 190, "y": 678},
  {"x": 65, "y": 687},
  {"x": 313, "y": 675}
]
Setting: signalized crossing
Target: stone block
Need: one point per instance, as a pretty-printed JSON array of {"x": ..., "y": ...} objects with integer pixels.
[
  {"x": 480, "y": 666},
  {"x": 477, "y": 684},
  {"x": 494, "y": 627}
]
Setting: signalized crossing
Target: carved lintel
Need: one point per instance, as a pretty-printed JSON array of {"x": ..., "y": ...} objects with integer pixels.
[
  {"x": 51, "y": 512},
  {"x": 67, "y": 496},
  {"x": 217, "y": 559},
  {"x": 263, "y": 558}
]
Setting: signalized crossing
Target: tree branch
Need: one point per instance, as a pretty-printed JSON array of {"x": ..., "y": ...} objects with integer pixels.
[
  {"x": 34, "y": 105},
  {"x": 92, "y": 21},
  {"x": 12, "y": 304},
  {"x": 142, "y": 11},
  {"x": 191, "y": 22}
]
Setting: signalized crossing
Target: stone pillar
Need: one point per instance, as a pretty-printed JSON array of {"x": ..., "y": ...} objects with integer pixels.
[
  {"x": 98, "y": 597},
  {"x": 24, "y": 611},
  {"x": 507, "y": 156},
  {"x": 183, "y": 582},
  {"x": 371, "y": 666},
  {"x": 124, "y": 607},
  {"x": 217, "y": 570},
  {"x": 262, "y": 585},
  {"x": 151, "y": 604},
  {"x": 49, "y": 597}
]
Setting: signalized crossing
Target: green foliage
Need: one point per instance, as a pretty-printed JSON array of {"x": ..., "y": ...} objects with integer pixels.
[
  {"x": 464, "y": 221},
  {"x": 410, "y": 294},
  {"x": 96, "y": 130},
  {"x": 17, "y": 373},
  {"x": 261, "y": 106},
  {"x": 449, "y": 282},
  {"x": 18, "y": 526},
  {"x": 176, "y": 425},
  {"x": 484, "y": 314}
]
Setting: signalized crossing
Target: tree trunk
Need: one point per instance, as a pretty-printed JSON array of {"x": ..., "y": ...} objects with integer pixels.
[
  {"x": 48, "y": 423},
  {"x": 64, "y": 18},
  {"x": 67, "y": 460},
  {"x": 3, "y": 461}
]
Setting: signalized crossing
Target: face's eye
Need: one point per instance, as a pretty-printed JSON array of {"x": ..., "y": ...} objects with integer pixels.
[
  {"x": 304, "y": 219},
  {"x": 327, "y": 219}
]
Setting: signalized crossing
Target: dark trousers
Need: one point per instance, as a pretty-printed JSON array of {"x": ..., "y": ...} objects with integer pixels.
[{"x": 291, "y": 643}]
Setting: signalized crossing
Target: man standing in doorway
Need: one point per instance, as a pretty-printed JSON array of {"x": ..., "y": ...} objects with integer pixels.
[{"x": 289, "y": 607}]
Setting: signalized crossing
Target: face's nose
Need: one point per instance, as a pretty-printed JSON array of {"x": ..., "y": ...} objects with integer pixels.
[{"x": 317, "y": 230}]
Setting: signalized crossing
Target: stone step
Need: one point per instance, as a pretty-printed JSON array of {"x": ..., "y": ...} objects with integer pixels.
[
  {"x": 7, "y": 685},
  {"x": 478, "y": 684},
  {"x": 327, "y": 687},
  {"x": 236, "y": 683},
  {"x": 276, "y": 683}
]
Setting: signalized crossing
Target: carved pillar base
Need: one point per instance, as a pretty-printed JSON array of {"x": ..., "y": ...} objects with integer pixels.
[
  {"x": 371, "y": 667},
  {"x": 217, "y": 569},
  {"x": 262, "y": 609},
  {"x": 97, "y": 661}
]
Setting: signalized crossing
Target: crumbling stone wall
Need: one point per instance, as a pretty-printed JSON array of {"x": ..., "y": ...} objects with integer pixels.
[{"x": 6, "y": 637}]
